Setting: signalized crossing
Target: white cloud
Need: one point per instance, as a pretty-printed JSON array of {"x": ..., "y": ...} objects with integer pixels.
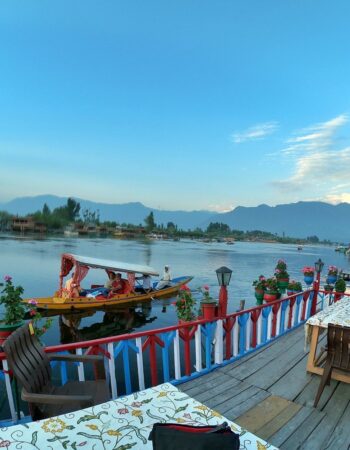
[
  {"x": 321, "y": 169},
  {"x": 258, "y": 131},
  {"x": 221, "y": 208}
]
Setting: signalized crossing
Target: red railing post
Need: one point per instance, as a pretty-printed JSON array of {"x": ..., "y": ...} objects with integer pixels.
[
  {"x": 316, "y": 288},
  {"x": 228, "y": 324}
]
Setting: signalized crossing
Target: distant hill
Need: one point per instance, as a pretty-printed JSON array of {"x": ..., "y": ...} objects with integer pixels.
[
  {"x": 134, "y": 213},
  {"x": 300, "y": 219}
]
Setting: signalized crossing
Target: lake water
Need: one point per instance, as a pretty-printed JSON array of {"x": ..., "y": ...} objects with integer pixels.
[{"x": 35, "y": 264}]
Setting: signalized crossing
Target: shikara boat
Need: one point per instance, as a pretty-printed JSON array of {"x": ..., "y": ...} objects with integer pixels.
[{"x": 63, "y": 300}]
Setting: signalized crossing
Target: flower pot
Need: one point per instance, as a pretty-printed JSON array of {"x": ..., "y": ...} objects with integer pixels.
[
  {"x": 338, "y": 296},
  {"x": 259, "y": 295},
  {"x": 209, "y": 310},
  {"x": 308, "y": 279},
  {"x": 331, "y": 279},
  {"x": 283, "y": 283},
  {"x": 6, "y": 330},
  {"x": 270, "y": 296}
]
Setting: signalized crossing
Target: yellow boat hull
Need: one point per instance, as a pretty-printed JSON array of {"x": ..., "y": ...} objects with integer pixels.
[{"x": 78, "y": 303}]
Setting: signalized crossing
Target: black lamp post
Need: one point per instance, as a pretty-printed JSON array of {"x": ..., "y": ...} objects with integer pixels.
[
  {"x": 224, "y": 277},
  {"x": 319, "y": 264},
  {"x": 318, "y": 267}
]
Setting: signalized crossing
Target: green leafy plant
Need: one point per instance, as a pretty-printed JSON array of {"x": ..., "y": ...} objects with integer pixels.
[
  {"x": 206, "y": 295},
  {"x": 185, "y": 304},
  {"x": 11, "y": 298},
  {"x": 16, "y": 310},
  {"x": 36, "y": 319},
  {"x": 260, "y": 283},
  {"x": 272, "y": 285},
  {"x": 328, "y": 287},
  {"x": 332, "y": 270},
  {"x": 281, "y": 270},
  {"x": 308, "y": 271},
  {"x": 295, "y": 286},
  {"x": 340, "y": 285}
]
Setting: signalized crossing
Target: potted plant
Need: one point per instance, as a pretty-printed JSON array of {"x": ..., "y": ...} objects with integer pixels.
[
  {"x": 14, "y": 308},
  {"x": 281, "y": 274},
  {"x": 260, "y": 286},
  {"x": 208, "y": 304},
  {"x": 271, "y": 292},
  {"x": 16, "y": 311},
  {"x": 340, "y": 288},
  {"x": 309, "y": 274},
  {"x": 184, "y": 305},
  {"x": 328, "y": 288},
  {"x": 332, "y": 274},
  {"x": 294, "y": 287}
]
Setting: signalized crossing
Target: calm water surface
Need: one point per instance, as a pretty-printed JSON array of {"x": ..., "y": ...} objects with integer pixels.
[{"x": 35, "y": 264}]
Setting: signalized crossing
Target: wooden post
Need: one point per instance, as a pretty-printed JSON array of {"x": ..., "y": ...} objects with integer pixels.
[{"x": 241, "y": 305}]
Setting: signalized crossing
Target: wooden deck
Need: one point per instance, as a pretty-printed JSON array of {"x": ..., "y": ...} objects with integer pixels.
[{"x": 270, "y": 394}]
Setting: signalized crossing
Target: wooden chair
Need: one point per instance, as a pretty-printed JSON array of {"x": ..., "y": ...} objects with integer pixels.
[
  {"x": 31, "y": 367},
  {"x": 338, "y": 355}
]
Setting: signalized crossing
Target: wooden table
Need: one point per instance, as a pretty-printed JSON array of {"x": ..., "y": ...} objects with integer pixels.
[{"x": 338, "y": 313}]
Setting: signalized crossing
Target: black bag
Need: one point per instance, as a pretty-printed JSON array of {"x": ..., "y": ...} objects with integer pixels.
[{"x": 173, "y": 436}]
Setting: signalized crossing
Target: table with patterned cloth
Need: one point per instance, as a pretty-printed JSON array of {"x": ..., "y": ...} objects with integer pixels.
[
  {"x": 120, "y": 424},
  {"x": 339, "y": 314}
]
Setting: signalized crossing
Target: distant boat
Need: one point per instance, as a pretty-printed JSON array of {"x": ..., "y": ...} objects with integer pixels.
[
  {"x": 300, "y": 247},
  {"x": 341, "y": 249}
]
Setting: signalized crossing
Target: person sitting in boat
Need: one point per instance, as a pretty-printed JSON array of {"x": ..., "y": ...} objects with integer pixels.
[
  {"x": 111, "y": 279},
  {"x": 165, "y": 280},
  {"x": 146, "y": 284},
  {"x": 73, "y": 289},
  {"x": 119, "y": 286}
]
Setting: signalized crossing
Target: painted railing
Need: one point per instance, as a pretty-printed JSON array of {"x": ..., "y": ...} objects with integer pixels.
[{"x": 181, "y": 352}]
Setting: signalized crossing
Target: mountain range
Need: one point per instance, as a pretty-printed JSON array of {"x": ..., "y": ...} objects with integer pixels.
[{"x": 301, "y": 219}]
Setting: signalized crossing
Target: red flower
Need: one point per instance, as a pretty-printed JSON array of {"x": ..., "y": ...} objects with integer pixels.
[
  {"x": 123, "y": 411},
  {"x": 32, "y": 312},
  {"x": 5, "y": 443},
  {"x": 184, "y": 287},
  {"x": 206, "y": 287}
]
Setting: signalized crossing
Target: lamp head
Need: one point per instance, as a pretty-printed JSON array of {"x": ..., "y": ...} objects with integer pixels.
[
  {"x": 224, "y": 276},
  {"x": 319, "y": 265}
]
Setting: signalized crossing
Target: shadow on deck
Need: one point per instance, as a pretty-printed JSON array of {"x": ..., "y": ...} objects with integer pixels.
[{"x": 270, "y": 394}]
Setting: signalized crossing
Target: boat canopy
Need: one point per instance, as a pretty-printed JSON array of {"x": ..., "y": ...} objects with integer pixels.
[{"x": 82, "y": 264}]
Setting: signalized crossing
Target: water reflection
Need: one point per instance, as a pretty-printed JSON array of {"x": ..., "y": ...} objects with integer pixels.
[{"x": 114, "y": 322}]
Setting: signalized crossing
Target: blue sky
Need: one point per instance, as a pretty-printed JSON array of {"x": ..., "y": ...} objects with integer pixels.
[{"x": 180, "y": 105}]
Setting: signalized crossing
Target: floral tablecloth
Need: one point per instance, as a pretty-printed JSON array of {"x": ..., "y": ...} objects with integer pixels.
[
  {"x": 120, "y": 424},
  {"x": 338, "y": 313}
]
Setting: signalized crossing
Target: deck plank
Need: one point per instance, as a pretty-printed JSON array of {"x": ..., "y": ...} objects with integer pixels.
[
  {"x": 293, "y": 382},
  {"x": 242, "y": 390},
  {"x": 278, "y": 422},
  {"x": 334, "y": 410},
  {"x": 256, "y": 418},
  {"x": 216, "y": 389},
  {"x": 223, "y": 397},
  {"x": 340, "y": 437},
  {"x": 249, "y": 367},
  {"x": 300, "y": 434},
  {"x": 242, "y": 407},
  {"x": 276, "y": 368},
  {"x": 293, "y": 424}
]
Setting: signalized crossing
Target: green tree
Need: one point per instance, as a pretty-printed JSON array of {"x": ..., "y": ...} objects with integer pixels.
[
  {"x": 149, "y": 221},
  {"x": 46, "y": 210},
  {"x": 5, "y": 220},
  {"x": 73, "y": 209}
]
